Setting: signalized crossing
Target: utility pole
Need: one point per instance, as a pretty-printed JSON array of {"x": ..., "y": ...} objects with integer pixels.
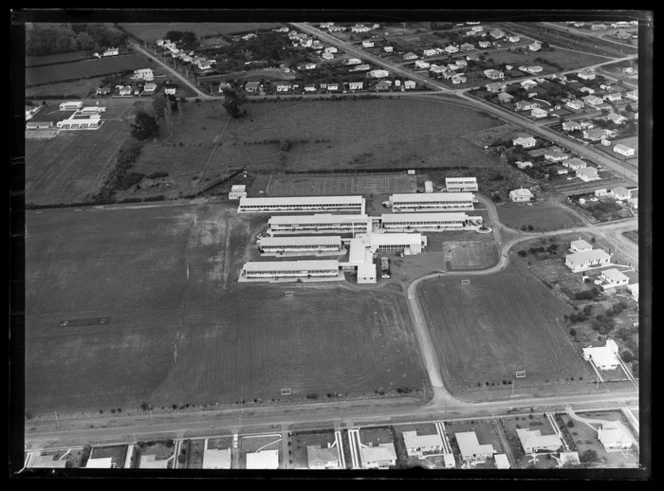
[{"x": 57, "y": 423}]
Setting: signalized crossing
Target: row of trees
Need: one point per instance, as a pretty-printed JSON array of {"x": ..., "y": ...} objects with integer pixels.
[{"x": 46, "y": 39}]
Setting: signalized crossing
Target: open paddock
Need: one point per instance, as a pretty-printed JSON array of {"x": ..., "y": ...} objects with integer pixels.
[
  {"x": 470, "y": 255},
  {"x": 568, "y": 59},
  {"x": 542, "y": 216},
  {"x": 182, "y": 330},
  {"x": 281, "y": 185},
  {"x": 152, "y": 31},
  {"x": 47, "y": 74},
  {"x": 488, "y": 329}
]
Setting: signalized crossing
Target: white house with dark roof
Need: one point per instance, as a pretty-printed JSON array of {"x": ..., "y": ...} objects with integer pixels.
[{"x": 521, "y": 195}]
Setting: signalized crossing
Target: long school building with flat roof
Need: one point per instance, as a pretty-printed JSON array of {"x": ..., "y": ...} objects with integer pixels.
[
  {"x": 431, "y": 201},
  {"x": 293, "y": 204},
  {"x": 429, "y": 221},
  {"x": 275, "y": 270},
  {"x": 460, "y": 184},
  {"x": 303, "y": 246},
  {"x": 319, "y": 223}
]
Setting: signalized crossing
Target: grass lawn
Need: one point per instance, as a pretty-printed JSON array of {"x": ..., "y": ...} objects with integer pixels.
[
  {"x": 496, "y": 325},
  {"x": 568, "y": 59},
  {"x": 346, "y": 134},
  {"x": 302, "y": 440},
  {"x": 233, "y": 341},
  {"x": 542, "y": 216},
  {"x": 150, "y": 32},
  {"x": 76, "y": 89},
  {"x": 632, "y": 235}
]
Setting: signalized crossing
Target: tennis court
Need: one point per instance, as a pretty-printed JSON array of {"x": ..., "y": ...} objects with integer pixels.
[{"x": 340, "y": 185}]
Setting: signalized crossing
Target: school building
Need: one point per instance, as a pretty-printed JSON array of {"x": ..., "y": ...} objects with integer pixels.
[
  {"x": 461, "y": 184},
  {"x": 301, "y": 245},
  {"x": 318, "y": 223},
  {"x": 431, "y": 222},
  {"x": 431, "y": 201},
  {"x": 291, "y": 204}
]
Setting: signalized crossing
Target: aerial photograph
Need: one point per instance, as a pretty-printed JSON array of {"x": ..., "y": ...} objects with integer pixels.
[{"x": 333, "y": 246}]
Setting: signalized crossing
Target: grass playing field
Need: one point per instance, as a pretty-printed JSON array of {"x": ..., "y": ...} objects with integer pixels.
[
  {"x": 541, "y": 216},
  {"x": 181, "y": 330},
  {"x": 279, "y": 185},
  {"x": 495, "y": 325}
]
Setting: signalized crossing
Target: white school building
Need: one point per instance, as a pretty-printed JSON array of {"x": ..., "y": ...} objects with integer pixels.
[
  {"x": 431, "y": 201},
  {"x": 290, "y": 204},
  {"x": 79, "y": 121},
  {"x": 71, "y": 106},
  {"x": 580, "y": 261},
  {"x": 301, "y": 245},
  {"x": 319, "y": 223},
  {"x": 269, "y": 271},
  {"x": 461, "y": 184},
  {"x": 238, "y": 191},
  {"x": 429, "y": 221}
]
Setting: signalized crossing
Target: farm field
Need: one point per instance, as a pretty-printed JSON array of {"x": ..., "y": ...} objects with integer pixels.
[
  {"x": 542, "y": 216},
  {"x": 487, "y": 330},
  {"x": 75, "y": 89},
  {"x": 230, "y": 341},
  {"x": 65, "y": 169},
  {"x": 346, "y": 134},
  {"x": 56, "y": 58},
  {"x": 568, "y": 59},
  {"x": 150, "y": 32},
  {"x": 41, "y": 75}
]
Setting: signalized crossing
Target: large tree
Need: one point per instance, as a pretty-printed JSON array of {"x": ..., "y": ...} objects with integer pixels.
[
  {"x": 144, "y": 126},
  {"x": 232, "y": 103}
]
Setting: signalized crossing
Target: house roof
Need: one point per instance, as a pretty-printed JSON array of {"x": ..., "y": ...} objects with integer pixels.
[
  {"x": 291, "y": 265},
  {"x": 217, "y": 458},
  {"x": 580, "y": 244},
  {"x": 469, "y": 445},
  {"x": 151, "y": 462},
  {"x": 381, "y": 453},
  {"x": 103, "y": 463},
  {"x": 502, "y": 461},
  {"x": 265, "y": 459},
  {"x": 521, "y": 192},
  {"x": 587, "y": 171},
  {"x": 413, "y": 440},
  {"x": 432, "y": 197},
  {"x": 322, "y": 456},
  {"x": 48, "y": 461},
  {"x": 620, "y": 146},
  {"x": 586, "y": 256},
  {"x": 615, "y": 432},
  {"x": 614, "y": 275},
  {"x": 533, "y": 439},
  {"x": 602, "y": 355}
]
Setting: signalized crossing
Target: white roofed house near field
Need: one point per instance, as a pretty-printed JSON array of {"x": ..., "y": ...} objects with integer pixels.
[
  {"x": 471, "y": 450},
  {"x": 418, "y": 445},
  {"x": 265, "y": 459},
  {"x": 533, "y": 441},
  {"x": 603, "y": 357}
]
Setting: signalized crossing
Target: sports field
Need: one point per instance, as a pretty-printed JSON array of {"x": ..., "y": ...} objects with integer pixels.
[
  {"x": 497, "y": 324},
  {"x": 179, "y": 329},
  {"x": 543, "y": 217},
  {"x": 280, "y": 185},
  {"x": 470, "y": 255}
]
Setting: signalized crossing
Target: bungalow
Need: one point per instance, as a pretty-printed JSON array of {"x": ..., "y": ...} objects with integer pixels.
[
  {"x": 613, "y": 278},
  {"x": 353, "y": 61},
  {"x": 126, "y": 90},
  {"x": 612, "y": 97},
  {"x": 103, "y": 90},
  {"x": 574, "y": 105},
  {"x": 624, "y": 150},
  {"x": 616, "y": 118},
  {"x": 496, "y": 86},
  {"x": 310, "y": 88},
  {"x": 430, "y": 52},
  {"x": 409, "y": 84},
  {"x": 331, "y": 49},
  {"x": 587, "y": 174},
  {"x": 494, "y": 74},
  {"x": 471, "y": 450},
  {"x": 111, "y": 52},
  {"x": 604, "y": 87},
  {"x": 418, "y": 445},
  {"x": 461, "y": 63},
  {"x": 327, "y": 56},
  {"x": 310, "y": 66},
  {"x": 322, "y": 457},
  {"x": 531, "y": 69},
  {"x": 360, "y": 68},
  {"x": 384, "y": 85},
  {"x": 388, "y": 49},
  {"x": 149, "y": 87},
  {"x": 436, "y": 68},
  {"x": 459, "y": 78},
  {"x": 580, "y": 261},
  {"x": 560, "y": 78},
  {"x": 587, "y": 90},
  {"x": 601, "y": 192},
  {"x": 538, "y": 113},
  {"x": 528, "y": 84},
  {"x": 410, "y": 56},
  {"x": 598, "y": 27},
  {"x": 524, "y": 141},
  {"x": 586, "y": 74},
  {"x": 467, "y": 47},
  {"x": 143, "y": 74},
  {"x": 535, "y": 46},
  {"x": 422, "y": 64},
  {"x": 571, "y": 125},
  {"x": 596, "y": 134},
  {"x": 634, "y": 290},
  {"x": 593, "y": 100},
  {"x": 355, "y": 85},
  {"x": 281, "y": 87},
  {"x": 378, "y": 73},
  {"x": 580, "y": 245},
  {"x": 620, "y": 193},
  {"x": 485, "y": 44},
  {"x": 632, "y": 95},
  {"x": 526, "y": 105},
  {"x": 332, "y": 87},
  {"x": 615, "y": 436},
  {"x": 251, "y": 86},
  {"x": 505, "y": 97},
  {"x": 555, "y": 154},
  {"x": 521, "y": 195},
  {"x": 497, "y": 34},
  {"x": 452, "y": 66},
  {"x": 381, "y": 456},
  {"x": 514, "y": 39},
  {"x": 523, "y": 165},
  {"x": 473, "y": 57},
  {"x": 574, "y": 163},
  {"x": 533, "y": 441},
  {"x": 451, "y": 49},
  {"x": 367, "y": 44},
  {"x": 360, "y": 28}
]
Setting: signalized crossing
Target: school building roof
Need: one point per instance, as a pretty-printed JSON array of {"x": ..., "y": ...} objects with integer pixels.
[
  {"x": 294, "y": 241},
  {"x": 423, "y": 217},
  {"x": 301, "y": 200},
  {"x": 292, "y": 265},
  {"x": 316, "y": 218},
  {"x": 432, "y": 197},
  {"x": 265, "y": 459}
]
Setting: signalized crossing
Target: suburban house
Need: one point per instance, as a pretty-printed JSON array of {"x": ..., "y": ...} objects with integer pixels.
[
  {"x": 580, "y": 261},
  {"x": 571, "y": 125},
  {"x": 332, "y": 86},
  {"x": 615, "y": 436},
  {"x": 151, "y": 462},
  {"x": 524, "y": 141},
  {"x": 596, "y": 134},
  {"x": 580, "y": 245},
  {"x": 634, "y": 290},
  {"x": 521, "y": 195},
  {"x": 587, "y": 174},
  {"x": 616, "y": 118},
  {"x": 574, "y": 163},
  {"x": 514, "y": 39},
  {"x": 526, "y": 105},
  {"x": 461, "y": 63},
  {"x": 560, "y": 78},
  {"x": 310, "y": 66},
  {"x": 533, "y": 441},
  {"x": 586, "y": 74},
  {"x": 538, "y": 113},
  {"x": 535, "y": 46},
  {"x": 575, "y": 105},
  {"x": 459, "y": 78},
  {"x": 430, "y": 52},
  {"x": 331, "y": 49},
  {"x": 422, "y": 64},
  {"x": 367, "y": 44},
  {"x": 251, "y": 86},
  {"x": 126, "y": 90},
  {"x": 624, "y": 150},
  {"x": 310, "y": 88},
  {"x": 322, "y": 457},
  {"x": 388, "y": 49},
  {"x": 528, "y": 84},
  {"x": 593, "y": 100},
  {"x": 150, "y": 87},
  {"x": 48, "y": 461},
  {"x": 505, "y": 97},
  {"x": 496, "y": 34},
  {"x": 523, "y": 165},
  {"x": 601, "y": 192},
  {"x": 502, "y": 462},
  {"x": 103, "y": 90},
  {"x": 281, "y": 87},
  {"x": 531, "y": 69},
  {"x": 216, "y": 458},
  {"x": 603, "y": 357},
  {"x": 263, "y": 459},
  {"x": 471, "y": 450},
  {"x": 378, "y": 457},
  {"x": 620, "y": 193},
  {"x": 467, "y": 47},
  {"x": 612, "y": 97},
  {"x": 71, "y": 106},
  {"x": 409, "y": 84},
  {"x": 494, "y": 74},
  {"x": 613, "y": 278},
  {"x": 384, "y": 85},
  {"x": 360, "y": 68},
  {"x": 378, "y": 73},
  {"x": 353, "y": 61},
  {"x": 451, "y": 49},
  {"x": 587, "y": 90},
  {"x": 238, "y": 191},
  {"x": 410, "y": 56},
  {"x": 633, "y": 95},
  {"x": 355, "y": 85},
  {"x": 418, "y": 445},
  {"x": 554, "y": 154},
  {"x": 485, "y": 44},
  {"x": 327, "y": 56},
  {"x": 111, "y": 52}
]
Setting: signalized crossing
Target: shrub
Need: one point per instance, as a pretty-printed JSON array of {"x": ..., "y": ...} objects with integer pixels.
[
  {"x": 157, "y": 175},
  {"x": 129, "y": 179},
  {"x": 523, "y": 253}
]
